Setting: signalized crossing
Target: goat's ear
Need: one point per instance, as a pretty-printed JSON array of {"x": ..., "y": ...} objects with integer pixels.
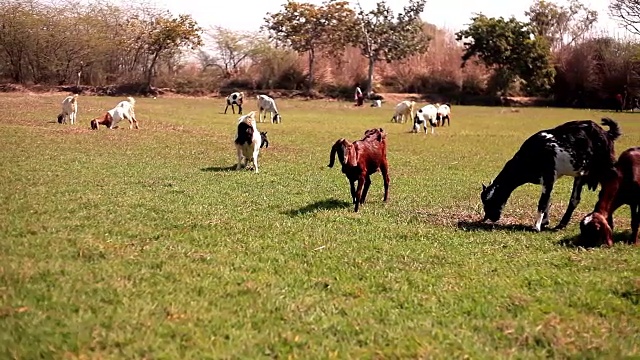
[
  {"x": 352, "y": 155},
  {"x": 484, "y": 187}
]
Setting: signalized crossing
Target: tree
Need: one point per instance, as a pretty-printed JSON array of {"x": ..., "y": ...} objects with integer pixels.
[
  {"x": 309, "y": 28},
  {"x": 509, "y": 47},
  {"x": 383, "y": 38},
  {"x": 628, "y": 13},
  {"x": 561, "y": 25},
  {"x": 169, "y": 35},
  {"x": 230, "y": 49}
]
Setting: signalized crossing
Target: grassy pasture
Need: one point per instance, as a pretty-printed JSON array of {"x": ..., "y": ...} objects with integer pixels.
[{"x": 143, "y": 244}]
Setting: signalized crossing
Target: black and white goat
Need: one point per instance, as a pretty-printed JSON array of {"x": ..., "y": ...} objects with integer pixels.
[
  {"x": 425, "y": 116},
  {"x": 581, "y": 149},
  {"x": 235, "y": 98},
  {"x": 265, "y": 103},
  {"x": 249, "y": 141}
]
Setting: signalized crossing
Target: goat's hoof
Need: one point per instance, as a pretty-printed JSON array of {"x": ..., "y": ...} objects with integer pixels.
[{"x": 560, "y": 227}]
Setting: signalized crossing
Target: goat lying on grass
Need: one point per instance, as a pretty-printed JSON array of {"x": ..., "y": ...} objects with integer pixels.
[
  {"x": 581, "y": 149},
  {"x": 249, "y": 141},
  {"x": 69, "y": 109},
  {"x": 235, "y": 98},
  {"x": 360, "y": 160},
  {"x": 110, "y": 119},
  {"x": 622, "y": 187}
]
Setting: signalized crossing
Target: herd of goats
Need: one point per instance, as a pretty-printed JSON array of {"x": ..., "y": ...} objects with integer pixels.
[{"x": 581, "y": 149}]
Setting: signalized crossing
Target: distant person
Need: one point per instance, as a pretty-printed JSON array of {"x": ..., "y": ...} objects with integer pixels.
[
  {"x": 636, "y": 105},
  {"x": 619, "y": 103},
  {"x": 359, "y": 97}
]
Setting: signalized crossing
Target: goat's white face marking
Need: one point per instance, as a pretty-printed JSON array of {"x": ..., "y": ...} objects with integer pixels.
[
  {"x": 490, "y": 194},
  {"x": 587, "y": 219}
]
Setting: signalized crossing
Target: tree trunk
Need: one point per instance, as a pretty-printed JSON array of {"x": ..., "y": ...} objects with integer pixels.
[
  {"x": 150, "y": 70},
  {"x": 312, "y": 59},
  {"x": 372, "y": 63}
]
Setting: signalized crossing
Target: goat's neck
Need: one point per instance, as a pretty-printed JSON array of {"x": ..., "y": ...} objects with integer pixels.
[
  {"x": 506, "y": 182},
  {"x": 608, "y": 194}
]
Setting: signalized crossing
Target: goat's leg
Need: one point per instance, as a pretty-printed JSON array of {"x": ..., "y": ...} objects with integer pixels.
[
  {"x": 365, "y": 189},
  {"x": 226, "y": 108},
  {"x": 255, "y": 161},
  {"x": 361, "y": 180},
  {"x": 635, "y": 223},
  {"x": 544, "y": 202},
  {"x": 576, "y": 192},
  {"x": 240, "y": 156},
  {"x": 384, "y": 169},
  {"x": 239, "y": 109},
  {"x": 353, "y": 190}
]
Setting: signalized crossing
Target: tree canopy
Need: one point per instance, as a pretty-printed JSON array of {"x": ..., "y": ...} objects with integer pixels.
[
  {"x": 561, "y": 25},
  {"x": 306, "y": 27},
  {"x": 383, "y": 37},
  {"x": 510, "y": 47},
  {"x": 627, "y": 12}
]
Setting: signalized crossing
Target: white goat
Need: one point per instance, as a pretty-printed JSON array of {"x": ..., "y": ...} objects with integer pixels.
[
  {"x": 444, "y": 114},
  {"x": 265, "y": 103},
  {"x": 248, "y": 141},
  {"x": 425, "y": 116},
  {"x": 235, "y": 98},
  {"x": 69, "y": 109},
  {"x": 404, "y": 111},
  {"x": 111, "y": 118}
]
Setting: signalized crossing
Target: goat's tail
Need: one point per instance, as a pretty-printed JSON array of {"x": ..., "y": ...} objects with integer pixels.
[
  {"x": 614, "y": 129},
  {"x": 132, "y": 101}
]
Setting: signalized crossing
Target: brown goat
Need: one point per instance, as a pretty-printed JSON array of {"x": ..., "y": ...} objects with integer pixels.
[
  {"x": 621, "y": 188},
  {"x": 360, "y": 160}
]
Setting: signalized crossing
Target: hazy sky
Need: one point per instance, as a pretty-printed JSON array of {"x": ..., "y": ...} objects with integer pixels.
[{"x": 452, "y": 14}]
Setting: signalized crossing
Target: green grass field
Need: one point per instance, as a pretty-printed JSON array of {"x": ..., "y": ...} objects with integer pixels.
[{"x": 143, "y": 244}]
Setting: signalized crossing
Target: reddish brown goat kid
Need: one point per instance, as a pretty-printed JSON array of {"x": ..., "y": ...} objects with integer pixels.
[
  {"x": 622, "y": 188},
  {"x": 360, "y": 160}
]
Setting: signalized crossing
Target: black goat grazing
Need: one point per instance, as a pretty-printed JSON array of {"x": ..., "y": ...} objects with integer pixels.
[
  {"x": 360, "y": 160},
  {"x": 581, "y": 149}
]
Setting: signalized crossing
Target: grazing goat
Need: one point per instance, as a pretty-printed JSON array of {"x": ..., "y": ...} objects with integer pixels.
[
  {"x": 360, "y": 160},
  {"x": 235, "y": 98},
  {"x": 621, "y": 188},
  {"x": 443, "y": 113},
  {"x": 265, "y": 103},
  {"x": 111, "y": 118},
  {"x": 425, "y": 116},
  {"x": 581, "y": 149},
  {"x": 249, "y": 141},
  {"x": 69, "y": 109},
  {"x": 404, "y": 110}
]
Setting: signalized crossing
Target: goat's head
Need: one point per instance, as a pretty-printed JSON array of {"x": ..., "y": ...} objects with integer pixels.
[
  {"x": 60, "y": 118},
  {"x": 94, "y": 124},
  {"x": 595, "y": 230},
  {"x": 491, "y": 202},
  {"x": 276, "y": 119},
  {"x": 265, "y": 140},
  {"x": 347, "y": 154}
]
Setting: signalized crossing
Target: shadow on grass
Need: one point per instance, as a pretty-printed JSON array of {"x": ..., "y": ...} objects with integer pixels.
[
  {"x": 574, "y": 241},
  {"x": 328, "y": 204},
  {"x": 220, "y": 168},
  {"x": 482, "y": 226}
]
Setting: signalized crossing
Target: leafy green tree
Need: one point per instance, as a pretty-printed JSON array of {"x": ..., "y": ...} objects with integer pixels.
[
  {"x": 561, "y": 25},
  {"x": 385, "y": 38},
  {"x": 309, "y": 28},
  {"x": 626, "y": 12},
  {"x": 169, "y": 35},
  {"x": 509, "y": 47}
]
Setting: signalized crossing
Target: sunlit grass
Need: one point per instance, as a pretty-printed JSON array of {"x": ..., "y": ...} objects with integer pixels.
[{"x": 143, "y": 244}]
